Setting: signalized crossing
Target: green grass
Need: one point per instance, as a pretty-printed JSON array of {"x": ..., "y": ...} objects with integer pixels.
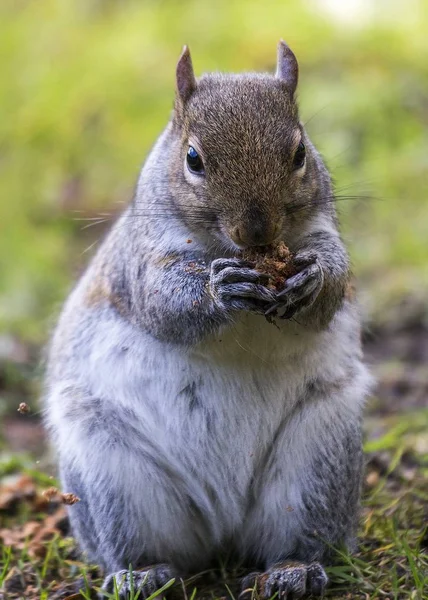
[{"x": 136, "y": 593}]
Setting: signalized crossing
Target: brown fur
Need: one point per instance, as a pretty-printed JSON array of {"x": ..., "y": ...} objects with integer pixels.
[
  {"x": 233, "y": 121},
  {"x": 100, "y": 291}
]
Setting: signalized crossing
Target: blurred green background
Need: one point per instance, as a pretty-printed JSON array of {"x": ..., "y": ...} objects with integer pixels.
[{"x": 87, "y": 85}]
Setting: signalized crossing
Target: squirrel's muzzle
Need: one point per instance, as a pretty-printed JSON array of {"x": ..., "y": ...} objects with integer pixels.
[{"x": 255, "y": 233}]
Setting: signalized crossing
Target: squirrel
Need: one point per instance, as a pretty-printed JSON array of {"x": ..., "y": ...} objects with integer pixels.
[{"x": 184, "y": 420}]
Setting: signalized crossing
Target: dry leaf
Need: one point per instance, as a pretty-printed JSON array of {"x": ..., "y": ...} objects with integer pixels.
[
  {"x": 69, "y": 498},
  {"x": 51, "y": 493}
]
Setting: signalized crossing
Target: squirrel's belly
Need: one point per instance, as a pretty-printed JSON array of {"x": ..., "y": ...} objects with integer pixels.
[
  {"x": 252, "y": 362},
  {"x": 205, "y": 415}
]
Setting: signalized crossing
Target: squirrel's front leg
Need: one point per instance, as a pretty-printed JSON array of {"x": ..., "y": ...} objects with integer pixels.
[
  {"x": 181, "y": 300},
  {"x": 316, "y": 292}
]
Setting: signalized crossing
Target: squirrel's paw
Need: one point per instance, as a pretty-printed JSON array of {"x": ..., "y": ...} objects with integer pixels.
[
  {"x": 289, "y": 579},
  {"x": 300, "y": 290},
  {"x": 145, "y": 581},
  {"x": 236, "y": 286}
]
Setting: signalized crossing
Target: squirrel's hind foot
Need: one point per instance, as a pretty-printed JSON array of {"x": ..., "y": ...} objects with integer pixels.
[
  {"x": 289, "y": 579},
  {"x": 145, "y": 581}
]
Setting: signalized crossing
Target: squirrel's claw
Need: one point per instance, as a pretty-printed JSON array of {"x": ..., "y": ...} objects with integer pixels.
[
  {"x": 300, "y": 291},
  {"x": 288, "y": 580},
  {"x": 236, "y": 286},
  {"x": 144, "y": 582}
]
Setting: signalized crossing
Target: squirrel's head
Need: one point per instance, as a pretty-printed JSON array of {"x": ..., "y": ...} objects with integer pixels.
[{"x": 241, "y": 161}]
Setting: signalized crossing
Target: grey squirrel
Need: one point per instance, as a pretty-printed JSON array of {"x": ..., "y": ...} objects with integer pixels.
[{"x": 184, "y": 420}]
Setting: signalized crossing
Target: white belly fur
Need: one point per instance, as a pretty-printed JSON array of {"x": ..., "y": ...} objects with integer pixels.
[{"x": 243, "y": 383}]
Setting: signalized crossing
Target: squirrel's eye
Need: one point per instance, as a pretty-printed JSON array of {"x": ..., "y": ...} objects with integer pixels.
[
  {"x": 299, "y": 157},
  {"x": 194, "y": 162}
]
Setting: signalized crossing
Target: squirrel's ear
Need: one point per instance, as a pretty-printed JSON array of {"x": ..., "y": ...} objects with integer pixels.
[
  {"x": 287, "y": 69},
  {"x": 186, "y": 82}
]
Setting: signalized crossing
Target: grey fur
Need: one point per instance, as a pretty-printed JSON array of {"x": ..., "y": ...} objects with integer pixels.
[{"x": 185, "y": 421}]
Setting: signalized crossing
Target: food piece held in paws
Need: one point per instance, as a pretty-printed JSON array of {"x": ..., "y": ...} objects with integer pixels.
[{"x": 275, "y": 260}]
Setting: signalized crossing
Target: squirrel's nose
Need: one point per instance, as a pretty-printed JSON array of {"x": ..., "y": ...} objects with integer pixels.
[{"x": 255, "y": 233}]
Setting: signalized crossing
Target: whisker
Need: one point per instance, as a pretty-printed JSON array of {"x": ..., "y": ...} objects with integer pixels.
[
  {"x": 249, "y": 350},
  {"x": 95, "y": 223},
  {"x": 87, "y": 218},
  {"x": 194, "y": 215},
  {"x": 314, "y": 115},
  {"x": 89, "y": 248},
  {"x": 352, "y": 185},
  {"x": 295, "y": 207}
]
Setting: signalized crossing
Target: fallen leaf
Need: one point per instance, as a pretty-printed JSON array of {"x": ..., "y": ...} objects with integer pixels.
[
  {"x": 69, "y": 498},
  {"x": 51, "y": 493}
]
